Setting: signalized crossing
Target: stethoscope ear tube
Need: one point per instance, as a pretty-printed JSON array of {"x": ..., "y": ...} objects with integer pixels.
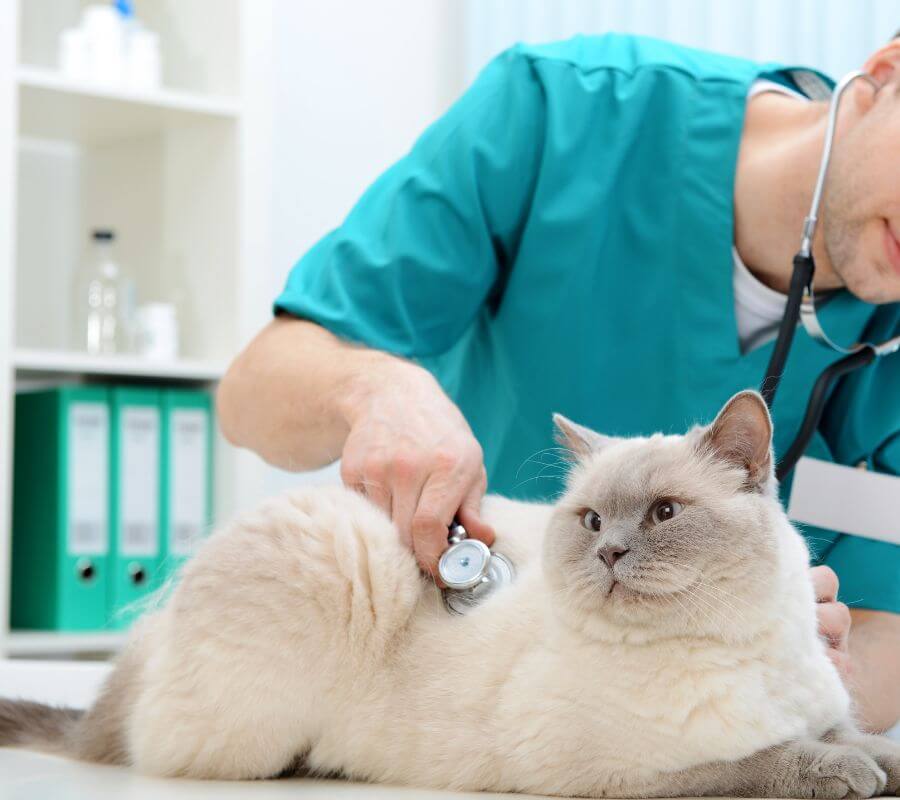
[
  {"x": 816, "y": 405},
  {"x": 801, "y": 304},
  {"x": 801, "y": 277}
]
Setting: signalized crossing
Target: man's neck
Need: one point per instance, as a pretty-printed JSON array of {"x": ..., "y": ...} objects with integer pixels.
[{"x": 781, "y": 145}]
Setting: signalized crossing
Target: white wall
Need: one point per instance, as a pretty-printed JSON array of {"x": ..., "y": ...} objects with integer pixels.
[
  {"x": 355, "y": 83},
  {"x": 832, "y": 35}
]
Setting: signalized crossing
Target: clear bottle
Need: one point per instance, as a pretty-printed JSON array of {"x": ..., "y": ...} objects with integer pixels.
[{"x": 103, "y": 297}]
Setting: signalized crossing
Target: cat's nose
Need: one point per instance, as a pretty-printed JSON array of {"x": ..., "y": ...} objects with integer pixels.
[{"x": 611, "y": 553}]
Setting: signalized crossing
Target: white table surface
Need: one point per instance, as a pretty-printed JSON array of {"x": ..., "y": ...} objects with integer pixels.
[{"x": 32, "y": 776}]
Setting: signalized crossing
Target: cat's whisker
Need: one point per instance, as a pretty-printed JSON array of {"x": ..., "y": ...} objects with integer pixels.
[
  {"x": 561, "y": 459},
  {"x": 706, "y": 611},
  {"x": 724, "y": 596},
  {"x": 715, "y": 610},
  {"x": 731, "y": 595},
  {"x": 676, "y": 599},
  {"x": 537, "y": 477}
]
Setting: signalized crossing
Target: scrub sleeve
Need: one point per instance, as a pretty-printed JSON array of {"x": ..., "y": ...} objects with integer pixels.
[{"x": 419, "y": 254}]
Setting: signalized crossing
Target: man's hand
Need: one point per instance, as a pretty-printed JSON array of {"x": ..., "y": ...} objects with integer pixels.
[
  {"x": 301, "y": 397},
  {"x": 834, "y": 619},
  {"x": 870, "y": 662},
  {"x": 412, "y": 453}
]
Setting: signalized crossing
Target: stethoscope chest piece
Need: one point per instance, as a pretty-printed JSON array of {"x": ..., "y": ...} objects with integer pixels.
[{"x": 471, "y": 571}]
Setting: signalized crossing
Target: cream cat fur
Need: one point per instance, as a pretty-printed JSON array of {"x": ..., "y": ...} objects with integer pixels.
[{"x": 305, "y": 633}]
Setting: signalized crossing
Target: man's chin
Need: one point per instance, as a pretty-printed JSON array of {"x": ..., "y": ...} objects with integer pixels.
[{"x": 876, "y": 285}]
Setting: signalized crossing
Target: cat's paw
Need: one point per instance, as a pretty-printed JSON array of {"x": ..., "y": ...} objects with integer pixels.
[
  {"x": 844, "y": 772},
  {"x": 886, "y": 753}
]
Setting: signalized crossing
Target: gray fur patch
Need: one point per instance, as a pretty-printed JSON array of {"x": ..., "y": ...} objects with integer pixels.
[{"x": 27, "y": 724}]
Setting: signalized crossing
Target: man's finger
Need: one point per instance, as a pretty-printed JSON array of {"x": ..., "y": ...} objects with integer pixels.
[
  {"x": 437, "y": 506},
  {"x": 834, "y": 623},
  {"x": 405, "y": 492},
  {"x": 825, "y": 583},
  {"x": 469, "y": 515}
]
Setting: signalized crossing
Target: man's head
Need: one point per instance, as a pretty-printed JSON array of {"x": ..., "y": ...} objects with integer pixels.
[{"x": 860, "y": 216}]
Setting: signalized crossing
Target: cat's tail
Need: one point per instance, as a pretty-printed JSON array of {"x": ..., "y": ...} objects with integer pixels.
[{"x": 36, "y": 726}]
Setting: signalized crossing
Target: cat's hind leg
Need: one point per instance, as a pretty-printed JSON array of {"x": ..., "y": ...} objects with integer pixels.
[{"x": 280, "y": 620}]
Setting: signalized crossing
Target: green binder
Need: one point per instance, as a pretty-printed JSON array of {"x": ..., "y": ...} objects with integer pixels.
[
  {"x": 135, "y": 500},
  {"x": 60, "y": 552},
  {"x": 188, "y": 475}
]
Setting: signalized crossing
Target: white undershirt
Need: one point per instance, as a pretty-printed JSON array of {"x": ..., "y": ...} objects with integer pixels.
[{"x": 757, "y": 308}]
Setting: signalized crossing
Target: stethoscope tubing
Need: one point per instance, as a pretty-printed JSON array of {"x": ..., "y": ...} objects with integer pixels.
[{"x": 801, "y": 306}]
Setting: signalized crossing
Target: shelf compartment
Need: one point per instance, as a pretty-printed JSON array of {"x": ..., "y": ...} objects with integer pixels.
[
  {"x": 50, "y": 643},
  {"x": 44, "y": 363},
  {"x": 52, "y": 106}
]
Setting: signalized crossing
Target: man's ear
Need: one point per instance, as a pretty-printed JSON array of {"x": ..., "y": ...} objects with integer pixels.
[
  {"x": 884, "y": 66},
  {"x": 742, "y": 436},
  {"x": 577, "y": 439}
]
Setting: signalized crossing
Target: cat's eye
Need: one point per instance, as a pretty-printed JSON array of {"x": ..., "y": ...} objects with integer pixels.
[
  {"x": 664, "y": 510},
  {"x": 591, "y": 520}
]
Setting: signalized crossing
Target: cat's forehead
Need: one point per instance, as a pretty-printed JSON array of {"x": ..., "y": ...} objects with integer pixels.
[{"x": 637, "y": 469}]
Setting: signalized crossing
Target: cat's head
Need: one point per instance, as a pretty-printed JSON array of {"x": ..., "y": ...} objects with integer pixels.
[{"x": 670, "y": 534}]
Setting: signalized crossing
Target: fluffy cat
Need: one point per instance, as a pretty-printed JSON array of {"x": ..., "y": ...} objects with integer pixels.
[{"x": 659, "y": 640}]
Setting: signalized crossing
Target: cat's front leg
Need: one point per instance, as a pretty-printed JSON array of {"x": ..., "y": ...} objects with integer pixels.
[
  {"x": 798, "y": 769},
  {"x": 884, "y": 751}
]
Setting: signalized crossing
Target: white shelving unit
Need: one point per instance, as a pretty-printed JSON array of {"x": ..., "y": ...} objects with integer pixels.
[
  {"x": 41, "y": 363},
  {"x": 37, "y": 643},
  {"x": 53, "y": 106},
  {"x": 182, "y": 174}
]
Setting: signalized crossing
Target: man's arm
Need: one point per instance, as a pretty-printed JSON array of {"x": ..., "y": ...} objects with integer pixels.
[
  {"x": 301, "y": 398},
  {"x": 874, "y": 674},
  {"x": 288, "y": 395}
]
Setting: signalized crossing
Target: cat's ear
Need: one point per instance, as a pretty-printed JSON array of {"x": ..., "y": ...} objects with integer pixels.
[
  {"x": 742, "y": 435},
  {"x": 577, "y": 439}
]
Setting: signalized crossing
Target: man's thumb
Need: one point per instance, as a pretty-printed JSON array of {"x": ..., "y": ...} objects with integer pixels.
[{"x": 470, "y": 516}]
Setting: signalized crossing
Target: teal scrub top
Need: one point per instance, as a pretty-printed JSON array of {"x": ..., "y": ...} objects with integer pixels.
[{"x": 561, "y": 240}]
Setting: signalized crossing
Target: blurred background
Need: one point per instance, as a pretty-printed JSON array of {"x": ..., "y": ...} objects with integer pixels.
[{"x": 163, "y": 163}]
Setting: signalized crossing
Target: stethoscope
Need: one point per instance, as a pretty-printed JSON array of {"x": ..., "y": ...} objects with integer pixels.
[
  {"x": 471, "y": 571},
  {"x": 801, "y": 303}
]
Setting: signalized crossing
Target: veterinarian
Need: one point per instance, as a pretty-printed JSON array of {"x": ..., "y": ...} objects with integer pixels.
[{"x": 602, "y": 227}]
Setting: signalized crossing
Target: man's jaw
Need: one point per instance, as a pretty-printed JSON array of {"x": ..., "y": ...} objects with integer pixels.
[{"x": 892, "y": 245}]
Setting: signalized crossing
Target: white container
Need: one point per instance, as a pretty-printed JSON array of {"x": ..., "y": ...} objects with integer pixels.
[
  {"x": 74, "y": 59},
  {"x": 104, "y": 32},
  {"x": 144, "y": 70},
  {"x": 157, "y": 331}
]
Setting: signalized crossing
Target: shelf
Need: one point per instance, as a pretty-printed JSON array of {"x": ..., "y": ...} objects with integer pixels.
[
  {"x": 42, "y": 363},
  {"x": 52, "y": 106},
  {"x": 44, "y": 643}
]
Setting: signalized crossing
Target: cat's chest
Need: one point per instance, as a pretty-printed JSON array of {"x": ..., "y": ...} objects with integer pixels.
[{"x": 673, "y": 705}]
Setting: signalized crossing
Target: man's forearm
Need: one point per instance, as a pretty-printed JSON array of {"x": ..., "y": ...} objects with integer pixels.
[
  {"x": 875, "y": 672},
  {"x": 289, "y": 394}
]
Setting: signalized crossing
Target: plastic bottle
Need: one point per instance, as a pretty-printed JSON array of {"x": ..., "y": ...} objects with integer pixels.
[
  {"x": 104, "y": 34},
  {"x": 104, "y": 300}
]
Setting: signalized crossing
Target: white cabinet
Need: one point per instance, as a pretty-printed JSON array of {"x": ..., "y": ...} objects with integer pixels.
[{"x": 182, "y": 174}]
